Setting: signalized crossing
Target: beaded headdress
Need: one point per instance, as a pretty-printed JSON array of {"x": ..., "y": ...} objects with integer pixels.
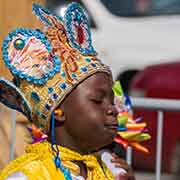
[{"x": 46, "y": 66}]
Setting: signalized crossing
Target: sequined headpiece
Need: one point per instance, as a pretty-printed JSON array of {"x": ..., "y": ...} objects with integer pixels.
[{"x": 46, "y": 66}]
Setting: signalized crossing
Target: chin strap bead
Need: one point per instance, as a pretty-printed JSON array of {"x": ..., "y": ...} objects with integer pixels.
[{"x": 55, "y": 149}]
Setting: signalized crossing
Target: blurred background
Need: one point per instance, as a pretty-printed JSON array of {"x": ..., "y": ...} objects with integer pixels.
[{"x": 139, "y": 39}]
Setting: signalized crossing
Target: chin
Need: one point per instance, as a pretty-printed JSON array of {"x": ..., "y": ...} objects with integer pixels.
[
  {"x": 107, "y": 140},
  {"x": 100, "y": 147}
]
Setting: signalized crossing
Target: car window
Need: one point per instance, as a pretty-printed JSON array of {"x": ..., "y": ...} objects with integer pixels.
[
  {"x": 59, "y": 7},
  {"x": 134, "y": 8}
]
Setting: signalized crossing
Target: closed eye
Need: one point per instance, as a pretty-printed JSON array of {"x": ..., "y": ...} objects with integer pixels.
[{"x": 97, "y": 101}]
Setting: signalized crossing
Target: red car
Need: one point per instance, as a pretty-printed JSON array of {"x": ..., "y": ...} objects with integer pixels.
[{"x": 159, "y": 81}]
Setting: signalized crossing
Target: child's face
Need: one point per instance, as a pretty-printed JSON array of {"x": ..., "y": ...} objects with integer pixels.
[{"x": 90, "y": 116}]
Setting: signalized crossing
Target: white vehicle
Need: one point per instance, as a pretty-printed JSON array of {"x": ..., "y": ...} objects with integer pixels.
[{"x": 131, "y": 34}]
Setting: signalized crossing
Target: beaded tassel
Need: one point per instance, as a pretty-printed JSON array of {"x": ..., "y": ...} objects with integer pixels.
[{"x": 57, "y": 159}]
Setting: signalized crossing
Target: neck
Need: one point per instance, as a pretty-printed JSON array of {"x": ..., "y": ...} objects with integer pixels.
[{"x": 63, "y": 138}]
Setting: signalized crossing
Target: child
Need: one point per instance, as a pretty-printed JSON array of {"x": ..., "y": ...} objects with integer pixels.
[{"x": 66, "y": 93}]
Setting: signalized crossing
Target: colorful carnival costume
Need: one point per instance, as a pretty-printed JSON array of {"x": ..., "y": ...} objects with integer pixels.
[
  {"x": 131, "y": 132},
  {"x": 46, "y": 67},
  {"x": 37, "y": 164}
]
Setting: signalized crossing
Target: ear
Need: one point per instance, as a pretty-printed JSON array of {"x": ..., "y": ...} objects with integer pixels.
[
  {"x": 47, "y": 17},
  {"x": 27, "y": 53},
  {"x": 12, "y": 97},
  {"x": 78, "y": 30}
]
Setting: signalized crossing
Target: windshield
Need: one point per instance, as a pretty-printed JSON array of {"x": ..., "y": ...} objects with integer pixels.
[{"x": 135, "y": 8}]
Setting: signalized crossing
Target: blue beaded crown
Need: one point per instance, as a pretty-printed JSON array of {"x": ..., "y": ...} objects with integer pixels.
[{"x": 47, "y": 65}]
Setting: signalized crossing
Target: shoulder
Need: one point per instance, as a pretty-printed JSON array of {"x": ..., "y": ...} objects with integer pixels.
[
  {"x": 33, "y": 166},
  {"x": 37, "y": 164},
  {"x": 17, "y": 165}
]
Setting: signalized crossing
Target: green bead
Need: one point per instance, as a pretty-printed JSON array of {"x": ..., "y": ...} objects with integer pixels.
[
  {"x": 19, "y": 44},
  {"x": 78, "y": 17},
  {"x": 35, "y": 96}
]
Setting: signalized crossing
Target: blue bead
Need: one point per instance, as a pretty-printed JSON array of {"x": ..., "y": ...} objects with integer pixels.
[
  {"x": 42, "y": 81},
  {"x": 29, "y": 78},
  {"x": 55, "y": 96},
  {"x": 22, "y": 76},
  {"x": 14, "y": 71},
  {"x": 74, "y": 75},
  {"x": 51, "y": 73},
  {"x": 50, "y": 90},
  {"x": 88, "y": 60},
  {"x": 47, "y": 107},
  {"x": 57, "y": 162},
  {"x": 84, "y": 69},
  {"x": 78, "y": 17},
  {"x": 66, "y": 171},
  {"x": 93, "y": 65},
  {"x": 19, "y": 44},
  {"x": 36, "y": 81},
  {"x": 63, "y": 86},
  {"x": 63, "y": 74},
  {"x": 57, "y": 60}
]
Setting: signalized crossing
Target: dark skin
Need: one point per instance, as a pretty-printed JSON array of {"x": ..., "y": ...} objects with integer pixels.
[
  {"x": 89, "y": 108},
  {"x": 89, "y": 122}
]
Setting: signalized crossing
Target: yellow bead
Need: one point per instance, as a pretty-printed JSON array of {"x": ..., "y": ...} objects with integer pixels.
[
  {"x": 19, "y": 44},
  {"x": 58, "y": 112}
]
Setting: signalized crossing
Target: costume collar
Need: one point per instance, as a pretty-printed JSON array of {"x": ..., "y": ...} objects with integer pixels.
[{"x": 96, "y": 170}]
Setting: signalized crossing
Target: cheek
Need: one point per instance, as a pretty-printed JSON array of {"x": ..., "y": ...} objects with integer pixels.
[
  {"x": 95, "y": 115},
  {"x": 86, "y": 123},
  {"x": 91, "y": 120}
]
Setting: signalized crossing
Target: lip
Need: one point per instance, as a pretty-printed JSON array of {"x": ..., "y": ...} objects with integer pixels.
[{"x": 111, "y": 126}]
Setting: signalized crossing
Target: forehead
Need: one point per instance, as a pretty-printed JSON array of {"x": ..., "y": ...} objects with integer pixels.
[{"x": 98, "y": 80}]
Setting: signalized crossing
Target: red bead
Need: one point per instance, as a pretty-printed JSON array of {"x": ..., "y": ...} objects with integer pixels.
[{"x": 80, "y": 35}]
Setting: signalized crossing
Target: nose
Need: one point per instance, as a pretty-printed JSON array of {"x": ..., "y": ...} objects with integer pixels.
[{"x": 112, "y": 111}]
